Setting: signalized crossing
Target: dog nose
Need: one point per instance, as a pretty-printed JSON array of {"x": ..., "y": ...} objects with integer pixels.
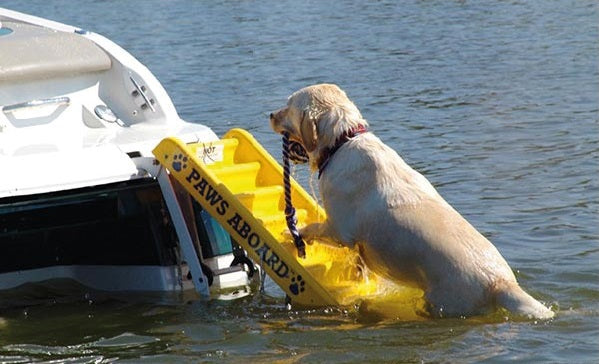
[{"x": 272, "y": 116}]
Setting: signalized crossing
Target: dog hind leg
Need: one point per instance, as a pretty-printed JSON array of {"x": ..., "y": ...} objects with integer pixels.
[{"x": 514, "y": 299}]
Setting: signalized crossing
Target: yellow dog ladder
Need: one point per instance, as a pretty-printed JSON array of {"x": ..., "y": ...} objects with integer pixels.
[{"x": 240, "y": 185}]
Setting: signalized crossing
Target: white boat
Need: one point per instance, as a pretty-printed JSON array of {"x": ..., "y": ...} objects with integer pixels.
[{"x": 81, "y": 195}]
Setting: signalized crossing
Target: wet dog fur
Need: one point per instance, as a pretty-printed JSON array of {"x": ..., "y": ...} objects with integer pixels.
[{"x": 404, "y": 229}]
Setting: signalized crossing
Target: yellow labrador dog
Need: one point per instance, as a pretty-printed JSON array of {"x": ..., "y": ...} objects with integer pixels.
[{"x": 405, "y": 230}]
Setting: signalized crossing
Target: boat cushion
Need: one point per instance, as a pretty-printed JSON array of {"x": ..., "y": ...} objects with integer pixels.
[{"x": 31, "y": 53}]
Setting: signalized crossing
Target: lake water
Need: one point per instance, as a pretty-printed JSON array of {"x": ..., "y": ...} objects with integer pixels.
[{"x": 495, "y": 102}]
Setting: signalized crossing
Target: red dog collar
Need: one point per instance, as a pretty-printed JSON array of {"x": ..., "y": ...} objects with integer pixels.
[{"x": 328, "y": 153}]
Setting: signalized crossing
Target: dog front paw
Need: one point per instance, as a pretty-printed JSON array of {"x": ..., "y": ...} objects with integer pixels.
[{"x": 309, "y": 234}]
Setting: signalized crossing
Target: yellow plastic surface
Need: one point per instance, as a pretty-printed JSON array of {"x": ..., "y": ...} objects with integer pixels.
[{"x": 240, "y": 185}]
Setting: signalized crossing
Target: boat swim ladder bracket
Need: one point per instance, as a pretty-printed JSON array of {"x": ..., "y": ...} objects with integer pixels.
[
  {"x": 140, "y": 90},
  {"x": 200, "y": 281}
]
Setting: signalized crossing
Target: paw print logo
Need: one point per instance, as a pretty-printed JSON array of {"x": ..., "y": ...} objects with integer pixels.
[
  {"x": 179, "y": 162},
  {"x": 297, "y": 285}
]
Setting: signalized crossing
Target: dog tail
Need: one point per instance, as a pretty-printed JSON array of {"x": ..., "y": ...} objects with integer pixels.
[{"x": 514, "y": 299}]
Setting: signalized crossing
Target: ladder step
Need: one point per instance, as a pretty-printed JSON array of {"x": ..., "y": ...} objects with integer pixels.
[
  {"x": 238, "y": 177},
  {"x": 263, "y": 200},
  {"x": 277, "y": 222}
]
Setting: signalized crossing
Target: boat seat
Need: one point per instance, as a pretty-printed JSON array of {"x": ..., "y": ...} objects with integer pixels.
[{"x": 33, "y": 53}]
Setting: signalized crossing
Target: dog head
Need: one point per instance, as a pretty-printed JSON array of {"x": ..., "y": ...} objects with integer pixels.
[{"x": 317, "y": 116}]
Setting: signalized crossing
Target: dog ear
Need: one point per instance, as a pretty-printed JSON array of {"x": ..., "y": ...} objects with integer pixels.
[{"x": 308, "y": 132}]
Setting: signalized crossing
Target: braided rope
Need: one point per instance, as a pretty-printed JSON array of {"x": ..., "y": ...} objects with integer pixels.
[{"x": 289, "y": 210}]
